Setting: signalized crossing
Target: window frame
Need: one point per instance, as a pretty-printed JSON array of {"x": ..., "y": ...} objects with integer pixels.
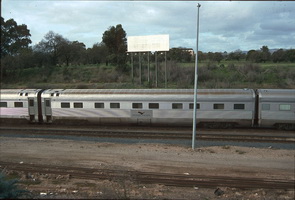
[
  {"x": 99, "y": 107},
  {"x": 281, "y": 107},
  {"x": 115, "y": 105},
  {"x": 137, "y": 105},
  {"x": 154, "y": 106},
  {"x": 78, "y": 105},
  {"x": 177, "y": 106},
  {"x": 218, "y": 106},
  {"x": 65, "y": 105},
  {"x": 3, "y": 104},
  {"x": 191, "y": 106},
  {"x": 18, "y": 104},
  {"x": 265, "y": 106},
  {"x": 239, "y": 106}
]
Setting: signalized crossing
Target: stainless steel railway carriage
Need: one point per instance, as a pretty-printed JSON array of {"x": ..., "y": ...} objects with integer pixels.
[
  {"x": 276, "y": 108},
  {"x": 215, "y": 107}
]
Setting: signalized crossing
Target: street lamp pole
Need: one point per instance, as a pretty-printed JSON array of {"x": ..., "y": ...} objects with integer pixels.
[{"x": 196, "y": 82}]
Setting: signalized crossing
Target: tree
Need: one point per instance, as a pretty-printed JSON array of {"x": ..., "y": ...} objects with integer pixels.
[
  {"x": 290, "y": 55},
  {"x": 51, "y": 45},
  {"x": 265, "y": 54},
  {"x": 97, "y": 54},
  {"x": 13, "y": 37},
  {"x": 279, "y": 56},
  {"x": 70, "y": 51},
  {"x": 253, "y": 56},
  {"x": 116, "y": 42},
  {"x": 236, "y": 55}
]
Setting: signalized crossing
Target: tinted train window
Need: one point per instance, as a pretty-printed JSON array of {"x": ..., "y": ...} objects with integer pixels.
[
  {"x": 218, "y": 106},
  {"x": 137, "y": 105},
  {"x": 239, "y": 106},
  {"x": 191, "y": 106},
  {"x": 18, "y": 104},
  {"x": 99, "y": 105},
  {"x": 153, "y": 106},
  {"x": 78, "y": 105},
  {"x": 31, "y": 102},
  {"x": 3, "y": 104},
  {"x": 47, "y": 103},
  {"x": 265, "y": 106},
  {"x": 285, "y": 107},
  {"x": 176, "y": 105},
  {"x": 114, "y": 105},
  {"x": 65, "y": 105}
]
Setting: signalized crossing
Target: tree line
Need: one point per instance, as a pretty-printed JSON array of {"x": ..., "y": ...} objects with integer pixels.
[{"x": 55, "y": 50}]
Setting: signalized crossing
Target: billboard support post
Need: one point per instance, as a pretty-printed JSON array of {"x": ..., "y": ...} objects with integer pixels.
[
  {"x": 149, "y": 43},
  {"x": 148, "y": 67},
  {"x": 156, "y": 61},
  {"x": 132, "y": 74},
  {"x": 165, "y": 69}
]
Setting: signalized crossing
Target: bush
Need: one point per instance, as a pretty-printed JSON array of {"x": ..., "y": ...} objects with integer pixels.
[{"x": 9, "y": 189}]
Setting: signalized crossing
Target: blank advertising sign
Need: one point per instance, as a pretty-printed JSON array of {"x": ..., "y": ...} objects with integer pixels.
[{"x": 148, "y": 43}]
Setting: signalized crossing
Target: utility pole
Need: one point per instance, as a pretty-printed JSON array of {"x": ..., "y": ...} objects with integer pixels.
[{"x": 196, "y": 82}]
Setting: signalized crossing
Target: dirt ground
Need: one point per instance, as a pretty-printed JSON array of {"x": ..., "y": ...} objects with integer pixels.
[{"x": 222, "y": 161}]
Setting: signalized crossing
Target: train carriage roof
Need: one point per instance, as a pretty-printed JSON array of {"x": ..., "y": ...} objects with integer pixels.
[
  {"x": 273, "y": 95},
  {"x": 150, "y": 94}
]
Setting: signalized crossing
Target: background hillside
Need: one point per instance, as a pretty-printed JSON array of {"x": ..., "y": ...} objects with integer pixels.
[{"x": 226, "y": 74}]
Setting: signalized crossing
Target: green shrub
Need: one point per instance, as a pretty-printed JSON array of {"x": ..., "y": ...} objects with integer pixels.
[{"x": 9, "y": 189}]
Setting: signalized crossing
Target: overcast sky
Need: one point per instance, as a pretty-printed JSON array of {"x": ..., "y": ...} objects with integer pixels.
[{"x": 224, "y": 25}]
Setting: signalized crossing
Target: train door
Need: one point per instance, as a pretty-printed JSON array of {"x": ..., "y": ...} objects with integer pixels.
[
  {"x": 33, "y": 110},
  {"x": 48, "y": 111}
]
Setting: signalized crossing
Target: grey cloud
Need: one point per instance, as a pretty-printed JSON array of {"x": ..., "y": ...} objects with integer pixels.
[{"x": 224, "y": 26}]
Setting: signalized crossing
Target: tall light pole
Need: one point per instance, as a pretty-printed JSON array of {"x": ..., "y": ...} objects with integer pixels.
[{"x": 196, "y": 82}]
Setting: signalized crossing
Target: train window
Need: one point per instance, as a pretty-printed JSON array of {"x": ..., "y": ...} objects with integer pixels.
[
  {"x": 218, "y": 106},
  {"x": 3, "y": 104},
  {"x": 285, "y": 107},
  {"x": 52, "y": 94},
  {"x": 78, "y": 105},
  {"x": 177, "y": 106},
  {"x": 114, "y": 105},
  {"x": 137, "y": 105},
  {"x": 191, "y": 106},
  {"x": 26, "y": 94},
  {"x": 65, "y": 105},
  {"x": 239, "y": 106},
  {"x": 18, "y": 104},
  {"x": 265, "y": 106},
  {"x": 21, "y": 94},
  {"x": 153, "y": 106},
  {"x": 47, "y": 103},
  {"x": 99, "y": 105},
  {"x": 31, "y": 102},
  {"x": 57, "y": 94}
]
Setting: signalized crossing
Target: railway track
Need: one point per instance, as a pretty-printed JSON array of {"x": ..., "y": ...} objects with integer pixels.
[
  {"x": 151, "y": 134},
  {"x": 180, "y": 180}
]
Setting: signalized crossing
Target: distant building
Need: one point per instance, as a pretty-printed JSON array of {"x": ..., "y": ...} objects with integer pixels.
[{"x": 190, "y": 50}]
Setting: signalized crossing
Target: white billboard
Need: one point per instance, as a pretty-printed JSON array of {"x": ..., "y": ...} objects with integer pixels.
[{"x": 148, "y": 43}]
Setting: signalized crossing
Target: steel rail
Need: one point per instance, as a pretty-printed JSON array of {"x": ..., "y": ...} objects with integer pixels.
[
  {"x": 168, "y": 179},
  {"x": 146, "y": 134}
]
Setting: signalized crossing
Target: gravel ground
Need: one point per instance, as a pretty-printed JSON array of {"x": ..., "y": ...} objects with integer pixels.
[{"x": 216, "y": 160}]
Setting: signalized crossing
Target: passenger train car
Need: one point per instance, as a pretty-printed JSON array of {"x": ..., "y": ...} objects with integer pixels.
[{"x": 217, "y": 108}]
